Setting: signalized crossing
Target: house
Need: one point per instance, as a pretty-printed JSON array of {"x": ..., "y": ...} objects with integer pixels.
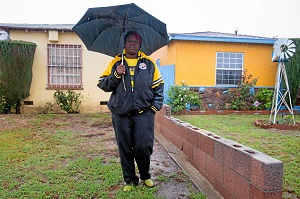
[
  {"x": 62, "y": 62},
  {"x": 213, "y": 62},
  {"x": 207, "y": 61}
]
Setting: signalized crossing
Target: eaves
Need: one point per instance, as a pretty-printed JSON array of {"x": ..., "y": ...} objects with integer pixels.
[
  {"x": 36, "y": 27},
  {"x": 254, "y": 40}
]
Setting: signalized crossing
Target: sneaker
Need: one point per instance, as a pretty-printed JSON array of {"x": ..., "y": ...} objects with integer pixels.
[
  {"x": 149, "y": 183},
  {"x": 127, "y": 188}
]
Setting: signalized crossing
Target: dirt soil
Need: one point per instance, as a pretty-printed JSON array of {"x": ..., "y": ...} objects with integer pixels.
[{"x": 169, "y": 178}]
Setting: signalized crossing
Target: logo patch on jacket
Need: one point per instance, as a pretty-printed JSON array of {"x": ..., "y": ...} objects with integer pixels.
[{"x": 142, "y": 66}]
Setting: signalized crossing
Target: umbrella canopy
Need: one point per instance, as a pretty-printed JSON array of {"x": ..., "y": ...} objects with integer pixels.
[{"x": 102, "y": 29}]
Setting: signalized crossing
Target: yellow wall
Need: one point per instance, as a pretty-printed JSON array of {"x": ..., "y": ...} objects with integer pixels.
[
  {"x": 195, "y": 61},
  {"x": 93, "y": 65}
]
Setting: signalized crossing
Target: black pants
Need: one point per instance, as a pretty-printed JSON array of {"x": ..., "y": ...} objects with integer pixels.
[{"x": 135, "y": 138}]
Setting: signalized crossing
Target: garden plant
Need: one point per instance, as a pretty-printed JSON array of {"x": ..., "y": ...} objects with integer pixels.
[
  {"x": 68, "y": 101},
  {"x": 181, "y": 97}
]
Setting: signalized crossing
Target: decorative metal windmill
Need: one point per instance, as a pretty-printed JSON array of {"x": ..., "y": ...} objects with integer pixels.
[{"x": 284, "y": 49}]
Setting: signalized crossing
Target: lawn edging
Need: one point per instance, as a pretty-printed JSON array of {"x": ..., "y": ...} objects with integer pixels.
[{"x": 234, "y": 170}]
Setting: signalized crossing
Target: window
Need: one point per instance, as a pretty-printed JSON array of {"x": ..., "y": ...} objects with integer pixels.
[
  {"x": 64, "y": 66},
  {"x": 229, "y": 68}
]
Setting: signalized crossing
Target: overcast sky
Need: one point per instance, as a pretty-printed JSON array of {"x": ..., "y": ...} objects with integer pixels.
[{"x": 268, "y": 18}]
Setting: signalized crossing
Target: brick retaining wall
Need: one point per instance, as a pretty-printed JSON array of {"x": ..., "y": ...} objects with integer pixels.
[{"x": 236, "y": 171}]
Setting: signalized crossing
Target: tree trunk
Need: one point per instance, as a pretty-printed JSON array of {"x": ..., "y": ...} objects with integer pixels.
[{"x": 18, "y": 108}]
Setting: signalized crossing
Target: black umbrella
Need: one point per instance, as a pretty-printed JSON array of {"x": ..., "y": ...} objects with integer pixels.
[{"x": 102, "y": 29}]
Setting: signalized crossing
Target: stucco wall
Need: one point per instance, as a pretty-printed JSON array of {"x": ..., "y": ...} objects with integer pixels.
[
  {"x": 93, "y": 65},
  {"x": 195, "y": 61}
]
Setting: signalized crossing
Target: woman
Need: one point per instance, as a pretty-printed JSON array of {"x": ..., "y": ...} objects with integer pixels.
[{"x": 137, "y": 93}]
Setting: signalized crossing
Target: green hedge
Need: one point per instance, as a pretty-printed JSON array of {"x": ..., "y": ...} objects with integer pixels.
[{"x": 16, "y": 60}]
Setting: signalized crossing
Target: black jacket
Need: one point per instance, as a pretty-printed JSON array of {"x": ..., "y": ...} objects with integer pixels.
[{"x": 148, "y": 86}]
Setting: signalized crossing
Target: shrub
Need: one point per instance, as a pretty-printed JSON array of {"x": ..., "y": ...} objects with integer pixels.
[
  {"x": 264, "y": 96},
  {"x": 68, "y": 101},
  {"x": 287, "y": 119},
  {"x": 4, "y": 106},
  {"x": 242, "y": 99},
  {"x": 180, "y": 96},
  {"x": 16, "y": 61},
  {"x": 44, "y": 110}
]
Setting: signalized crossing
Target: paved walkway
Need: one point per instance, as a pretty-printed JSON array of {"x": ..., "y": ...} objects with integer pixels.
[{"x": 181, "y": 160}]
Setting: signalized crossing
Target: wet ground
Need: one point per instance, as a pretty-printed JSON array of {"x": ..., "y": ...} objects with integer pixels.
[{"x": 172, "y": 181}]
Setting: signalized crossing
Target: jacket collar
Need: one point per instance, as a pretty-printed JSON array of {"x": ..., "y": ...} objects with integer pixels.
[{"x": 140, "y": 55}]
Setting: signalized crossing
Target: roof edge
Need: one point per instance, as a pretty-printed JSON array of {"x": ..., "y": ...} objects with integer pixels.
[
  {"x": 254, "y": 40},
  {"x": 36, "y": 27}
]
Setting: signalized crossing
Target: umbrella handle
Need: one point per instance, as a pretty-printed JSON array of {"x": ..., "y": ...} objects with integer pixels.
[
  {"x": 123, "y": 75},
  {"x": 123, "y": 82}
]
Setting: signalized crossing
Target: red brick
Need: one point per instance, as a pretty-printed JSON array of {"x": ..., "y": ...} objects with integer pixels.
[
  {"x": 224, "y": 153},
  {"x": 224, "y": 192},
  {"x": 207, "y": 144},
  {"x": 256, "y": 193},
  {"x": 176, "y": 140},
  {"x": 171, "y": 137},
  {"x": 165, "y": 132},
  {"x": 199, "y": 158},
  {"x": 171, "y": 125},
  {"x": 187, "y": 149},
  {"x": 266, "y": 172},
  {"x": 236, "y": 184},
  {"x": 157, "y": 126},
  {"x": 229, "y": 157},
  {"x": 194, "y": 164},
  {"x": 214, "y": 168},
  {"x": 181, "y": 131},
  {"x": 242, "y": 163},
  {"x": 193, "y": 137},
  {"x": 161, "y": 119},
  {"x": 208, "y": 177}
]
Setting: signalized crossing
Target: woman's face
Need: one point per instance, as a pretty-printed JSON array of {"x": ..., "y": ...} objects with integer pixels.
[{"x": 132, "y": 45}]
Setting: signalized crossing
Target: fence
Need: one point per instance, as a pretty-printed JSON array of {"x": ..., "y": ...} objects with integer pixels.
[{"x": 236, "y": 171}]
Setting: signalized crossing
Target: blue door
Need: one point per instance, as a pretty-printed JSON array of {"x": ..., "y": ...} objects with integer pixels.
[{"x": 168, "y": 74}]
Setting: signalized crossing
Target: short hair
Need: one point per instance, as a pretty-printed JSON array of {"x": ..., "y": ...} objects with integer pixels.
[{"x": 135, "y": 34}]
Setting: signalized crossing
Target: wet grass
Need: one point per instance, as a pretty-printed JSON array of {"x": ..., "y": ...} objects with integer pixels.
[
  {"x": 62, "y": 156},
  {"x": 282, "y": 145}
]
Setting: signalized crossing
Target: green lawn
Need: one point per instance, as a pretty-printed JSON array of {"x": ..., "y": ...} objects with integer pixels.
[{"x": 282, "y": 145}]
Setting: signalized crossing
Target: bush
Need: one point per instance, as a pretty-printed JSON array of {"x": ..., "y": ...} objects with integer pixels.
[
  {"x": 265, "y": 97},
  {"x": 180, "y": 96},
  {"x": 3, "y": 104},
  {"x": 241, "y": 98},
  {"x": 16, "y": 61},
  {"x": 68, "y": 101},
  {"x": 44, "y": 110}
]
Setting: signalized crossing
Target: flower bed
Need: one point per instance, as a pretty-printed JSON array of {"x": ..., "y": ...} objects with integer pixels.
[{"x": 267, "y": 125}]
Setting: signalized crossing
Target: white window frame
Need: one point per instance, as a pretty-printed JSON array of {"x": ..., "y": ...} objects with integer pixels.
[
  {"x": 229, "y": 67},
  {"x": 64, "y": 66}
]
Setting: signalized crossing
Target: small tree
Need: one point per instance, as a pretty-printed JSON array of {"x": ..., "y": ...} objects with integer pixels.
[{"x": 16, "y": 60}]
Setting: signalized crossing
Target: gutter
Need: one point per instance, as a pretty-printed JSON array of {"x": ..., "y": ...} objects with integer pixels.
[{"x": 222, "y": 39}]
